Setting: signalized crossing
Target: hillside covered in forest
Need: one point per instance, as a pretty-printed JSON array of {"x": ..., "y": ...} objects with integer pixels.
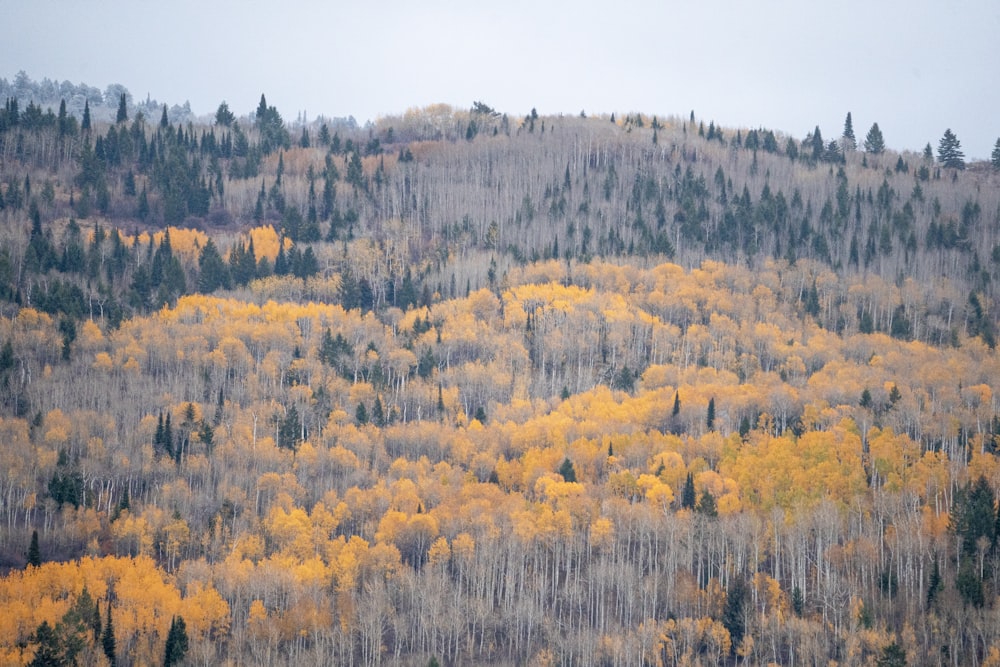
[{"x": 456, "y": 387}]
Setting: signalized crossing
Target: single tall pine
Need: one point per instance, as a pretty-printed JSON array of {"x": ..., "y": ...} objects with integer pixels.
[
  {"x": 874, "y": 143},
  {"x": 950, "y": 151},
  {"x": 122, "y": 110},
  {"x": 688, "y": 497},
  {"x": 177, "y": 642},
  {"x": 108, "y": 638},
  {"x": 34, "y": 552},
  {"x": 848, "y": 140}
]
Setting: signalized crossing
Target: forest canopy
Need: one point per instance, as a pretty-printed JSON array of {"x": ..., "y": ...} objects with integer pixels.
[{"x": 458, "y": 387}]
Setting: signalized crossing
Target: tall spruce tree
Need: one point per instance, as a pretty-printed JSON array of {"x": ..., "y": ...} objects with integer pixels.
[
  {"x": 950, "y": 151},
  {"x": 874, "y": 143},
  {"x": 567, "y": 470},
  {"x": 688, "y": 497},
  {"x": 122, "y": 115},
  {"x": 108, "y": 643},
  {"x": 177, "y": 642},
  {"x": 34, "y": 552},
  {"x": 995, "y": 157},
  {"x": 847, "y": 140}
]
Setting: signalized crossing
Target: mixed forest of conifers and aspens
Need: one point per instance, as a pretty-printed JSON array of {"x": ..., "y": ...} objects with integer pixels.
[{"x": 458, "y": 387}]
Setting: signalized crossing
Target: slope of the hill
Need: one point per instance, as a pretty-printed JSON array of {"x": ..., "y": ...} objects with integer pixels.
[{"x": 477, "y": 390}]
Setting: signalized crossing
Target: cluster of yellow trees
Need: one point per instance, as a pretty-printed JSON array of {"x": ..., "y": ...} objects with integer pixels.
[{"x": 589, "y": 464}]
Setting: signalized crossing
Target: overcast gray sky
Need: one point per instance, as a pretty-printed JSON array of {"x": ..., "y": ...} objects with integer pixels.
[{"x": 915, "y": 67}]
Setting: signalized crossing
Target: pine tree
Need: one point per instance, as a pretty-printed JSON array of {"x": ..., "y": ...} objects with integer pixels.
[
  {"x": 34, "y": 552},
  {"x": 816, "y": 142},
  {"x": 108, "y": 637},
  {"x": 85, "y": 122},
  {"x": 950, "y": 151},
  {"x": 893, "y": 655},
  {"x": 223, "y": 116},
  {"x": 47, "y": 653},
  {"x": 733, "y": 618},
  {"x": 177, "y": 642},
  {"x": 122, "y": 115},
  {"x": 995, "y": 157},
  {"x": 168, "y": 437},
  {"x": 710, "y": 417},
  {"x": 935, "y": 584},
  {"x": 567, "y": 470},
  {"x": 213, "y": 272},
  {"x": 290, "y": 430},
  {"x": 848, "y": 140},
  {"x": 688, "y": 494},
  {"x": 874, "y": 143},
  {"x": 63, "y": 122},
  {"x": 706, "y": 504}
]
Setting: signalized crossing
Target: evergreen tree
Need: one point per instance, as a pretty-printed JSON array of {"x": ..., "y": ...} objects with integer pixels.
[
  {"x": 688, "y": 494},
  {"x": 78, "y": 627},
  {"x": 124, "y": 504},
  {"x": 168, "y": 437},
  {"x": 949, "y": 151},
  {"x": 206, "y": 434},
  {"x": 378, "y": 412},
  {"x": 710, "y": 417},
  {"x": 108, "y": 638},
  {"x": 816, "y": 143},
  {"x": 223, "y": 116},
  {"x": 290, "y": 430},
  {"x": 47, "y": 653},
  {"x": 34, "y": 552},
  {"x": 85, "y": 122},
  {"x": 973, "y": 515},
  {"x": 273, "y": 135},
  {"x": 567, "y": 470},
  {"x": 995, "y": 157},
  {"x": 177, "y": 643},
  {"x": 733, "y": 618},
  {"x": 798, "y": 601},
  {"x": 64, "y": 124},
  {"x": 848, "y": 140},
  {"x": 122, "y": 115},
  {"x": 935, "y": 584},
  {"x": 213, "y": 272},
  {"x": 706, "y": 504},
  {"x": 874, "y": 143},
  {"x": 893, "y": 655}
]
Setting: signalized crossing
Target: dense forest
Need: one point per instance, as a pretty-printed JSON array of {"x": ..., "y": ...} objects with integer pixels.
[{"x": 457, "y": 387}]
